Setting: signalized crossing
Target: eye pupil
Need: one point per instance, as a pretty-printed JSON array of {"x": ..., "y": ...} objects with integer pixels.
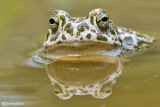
[
  {"x": 104, "y": 19},
  {"x": 52, "y": 21}
]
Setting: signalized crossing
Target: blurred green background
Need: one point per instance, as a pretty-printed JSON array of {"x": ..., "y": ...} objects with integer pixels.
[{"x": 24, "y": 22}]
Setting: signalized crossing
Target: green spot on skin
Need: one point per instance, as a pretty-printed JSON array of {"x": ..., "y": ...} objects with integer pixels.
[
  {"x": 101, "y": 37},
  {"x": 88, "y": 36},
  {"x": 54, "y": 38},
  {"x": 116, "y": 30},
  {"x": 47, "y": 35},
  {"x": 140, "y": 43},
  {"x": 54, "y": 27},
  {"x": 112, "y": 31},
  {"x": 81, "y": 38},
  {"x": 81, "y": 29},
  {"x": 87, "y": 16},
  {"x": 112, "y": 38},
  {"x": 56, "y": 11},
  {"x": 62, "y": 17},
  {"x": 69, "y": 29},
  {"x": 116, "y": 39},
  {"x": 119, "y": 39},
  {"x": 73, "y": 19},
  {"x": 93, "y": 30},
  {"x": 94, "y": 13},
  {"x": 78, "y": 33},
  {"x": 63, "y": 37},
  {"x": 108, "y": 35},
  {"x": 81, "y": 26}
]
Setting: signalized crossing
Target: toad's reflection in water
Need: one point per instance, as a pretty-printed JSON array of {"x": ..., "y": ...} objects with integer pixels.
[
  {"x": 81, "y": 76},
  {"x": 81, "y": 69}
]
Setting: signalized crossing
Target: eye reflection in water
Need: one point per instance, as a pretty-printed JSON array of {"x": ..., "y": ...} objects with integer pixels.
[{"x": 90, "y": 74}]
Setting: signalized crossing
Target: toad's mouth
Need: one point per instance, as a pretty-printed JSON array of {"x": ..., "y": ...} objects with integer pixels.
[{"x": 81, "y": 48}]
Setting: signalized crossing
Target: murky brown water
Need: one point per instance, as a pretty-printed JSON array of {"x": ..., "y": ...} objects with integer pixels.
[{"x": 24, "y": 23}]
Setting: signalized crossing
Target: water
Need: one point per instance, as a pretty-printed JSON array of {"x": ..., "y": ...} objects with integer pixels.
[{"x": 21, "y": 29}]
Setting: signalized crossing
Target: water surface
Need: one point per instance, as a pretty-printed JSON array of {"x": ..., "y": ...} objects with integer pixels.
[{"x": 24, "y": 23}]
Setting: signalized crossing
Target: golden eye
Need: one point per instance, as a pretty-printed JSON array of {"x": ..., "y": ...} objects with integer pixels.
[
  {"x": 54, "y": 23},
  {"x": 102, "y": 21}
]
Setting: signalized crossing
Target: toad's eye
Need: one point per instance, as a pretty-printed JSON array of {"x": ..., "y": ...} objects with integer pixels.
[
  {"x": 54, "y": 23},
  {"x": 102, "y": 21}
]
